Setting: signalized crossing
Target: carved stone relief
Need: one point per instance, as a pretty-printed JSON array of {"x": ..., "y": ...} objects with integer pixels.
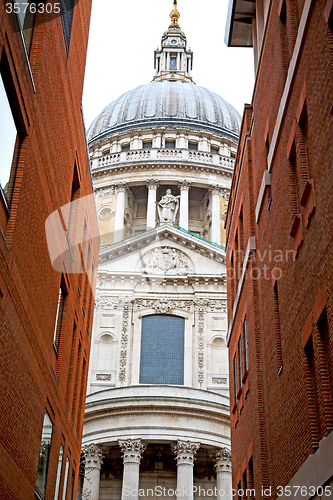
[
  {"x": 219, "y": 380},
  {"x": 106, "y": 213},
  {"x": 103, "y": 376},
  {"x": 166, "y": 260},
  {"x": 163, "y": 306},
  {"x": 111, "y": 302},
  {"x": 124, "y": 341}
]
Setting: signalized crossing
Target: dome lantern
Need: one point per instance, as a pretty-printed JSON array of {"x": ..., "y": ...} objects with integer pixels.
[{"x": 173, "y": 61}]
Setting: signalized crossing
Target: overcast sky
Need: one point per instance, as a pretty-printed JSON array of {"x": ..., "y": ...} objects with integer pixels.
[{"x": 124, "y": 35}]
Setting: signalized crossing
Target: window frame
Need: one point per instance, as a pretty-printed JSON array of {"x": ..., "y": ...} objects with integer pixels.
[
  {"x": 240, "y": 361},
  {"x": 147, "y": 372},
  {"x": 235, "y": 378},
  {"x": 59, "y": 472},
  {"x": 41, "y": 494},
  {"x": 245, "y": 344},
  {"x": 59, "y": 316}
]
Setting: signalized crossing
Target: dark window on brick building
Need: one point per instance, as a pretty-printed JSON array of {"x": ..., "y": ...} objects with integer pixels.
[
  {"x": 44, "y": 453},
  {"x": 66, "y": 479},
  {"x": 250, "y": 479},
  {"x": 277, "y": 328},
  {"x": 239, "y": 489},
  {"x": 294, "y": 195},
  {"x": 324, "y": 370},
  {"x": 11, "y": 135},
  {"x": 60, "y": 460},
  {"x": 312, "y": 393},
  {"x": 8, "y": 134},
  {"x": 162, "y": 350},
  {"x": 59, "y": 317},
  {"x": 244, "y": 484},
  {"x": 235, "y": 377},
  {"x": 245, "y": 345},
  {"x": 241, "y": 233},
  {"x": 26, "y": 19},
  {"x": 67, "y": 13},
  {"x": 240, "y": 362},
  {"x": 72, "y": 486}
]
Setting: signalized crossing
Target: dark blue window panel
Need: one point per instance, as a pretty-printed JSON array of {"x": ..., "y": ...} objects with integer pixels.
[
  {"x": 162, "y": 350},
  {"x": 67, "y": 13}
]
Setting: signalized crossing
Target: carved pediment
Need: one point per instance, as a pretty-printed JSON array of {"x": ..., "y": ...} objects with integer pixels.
[{"x": 166, "y": 260}]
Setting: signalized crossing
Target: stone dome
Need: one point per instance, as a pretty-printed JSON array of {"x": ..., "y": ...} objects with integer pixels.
[{"x": 169, "y": 104}]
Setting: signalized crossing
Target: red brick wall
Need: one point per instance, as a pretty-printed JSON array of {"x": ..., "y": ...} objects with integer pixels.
[
  {"x": 32, "y": 376},
  {"x": 284, "y": 415}
]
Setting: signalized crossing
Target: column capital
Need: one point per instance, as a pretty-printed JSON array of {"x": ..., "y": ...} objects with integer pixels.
[
  {"x": 132, "y": 450},
  {"x": 120, "y": 187},
  {"x": 222, "y": 459},
  {"x": 152, "y": 183},
  {"x": 185, "y": 451},
  {"x": 93, "y": 456},
  {"x": 220, "y": 191},
  {"x": 184, "y": 185}
]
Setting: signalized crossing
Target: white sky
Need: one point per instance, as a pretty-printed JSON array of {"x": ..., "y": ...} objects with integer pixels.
[
  {"x": 125, "y": 33},
  {"x": 7, "y": 136}
]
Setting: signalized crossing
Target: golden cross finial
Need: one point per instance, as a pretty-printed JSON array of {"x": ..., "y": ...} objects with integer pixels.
[{"x": 174, "y": 16}]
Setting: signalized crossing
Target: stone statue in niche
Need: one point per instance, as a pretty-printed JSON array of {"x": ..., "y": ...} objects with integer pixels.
[
  {"x": 167, "y": 207},
  {"x": 165, "y": 260}
]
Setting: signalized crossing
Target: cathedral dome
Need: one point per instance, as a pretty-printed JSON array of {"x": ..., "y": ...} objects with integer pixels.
[{"x": 168, "y": 104}]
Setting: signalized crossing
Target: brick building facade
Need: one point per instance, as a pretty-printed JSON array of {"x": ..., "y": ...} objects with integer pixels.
[
  {"x": 279, "y": 253},
  {"x": 45, "y": 307}
]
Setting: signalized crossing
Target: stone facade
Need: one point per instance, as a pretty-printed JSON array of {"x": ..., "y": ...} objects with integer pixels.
[{"x": 158, "y": 390}]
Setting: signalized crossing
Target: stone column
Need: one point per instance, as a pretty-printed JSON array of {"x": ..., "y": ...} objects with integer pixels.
[
  {"x": 121, "y": 189},
  {"x": 216, "y": 221},
  {"x": 185, "y": 451},
  {"x": 93, "y": 460},
  {"x": 222, "y": 460},
  {"x": 184, "y": 187},
  {"x": 132, "y": 450},
  {"x": 152, "y": 186}
]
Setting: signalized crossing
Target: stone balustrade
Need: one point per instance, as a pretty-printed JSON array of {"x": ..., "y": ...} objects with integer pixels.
[{"x": 165, "y": 154}]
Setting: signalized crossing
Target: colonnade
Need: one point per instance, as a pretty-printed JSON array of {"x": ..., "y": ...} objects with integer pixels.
[
  {"x": 132, "y": 450},
  {"x": 184, "y": 187}
]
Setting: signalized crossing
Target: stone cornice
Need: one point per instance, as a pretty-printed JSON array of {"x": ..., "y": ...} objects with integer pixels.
[
  {"x": 156, "y": 129},
  {"x": 176, "y": 235},
  {"x": 162, "y": 405},
  {"x": 160, "y": 166}
]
